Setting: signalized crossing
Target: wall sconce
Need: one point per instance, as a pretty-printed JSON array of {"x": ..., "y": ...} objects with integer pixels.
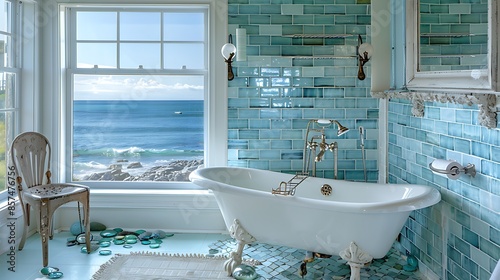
[
  {"x": 365, "y": 52},
  {"x": 228, "y": 51},
  {"x": 451, "y": 168}
]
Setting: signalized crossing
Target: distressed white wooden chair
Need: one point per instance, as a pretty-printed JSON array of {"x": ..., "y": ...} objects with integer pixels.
[{"x": 30, "y": 153}]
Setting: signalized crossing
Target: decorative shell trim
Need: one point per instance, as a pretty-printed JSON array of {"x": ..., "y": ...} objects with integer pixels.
[
  {"x": 252, "y": 262},
  {"x": 177, "y": 255},
  {"x": 486, "y": 102}
]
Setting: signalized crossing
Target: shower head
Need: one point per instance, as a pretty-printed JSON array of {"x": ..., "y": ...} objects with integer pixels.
[{"x": 342, "y": 130}]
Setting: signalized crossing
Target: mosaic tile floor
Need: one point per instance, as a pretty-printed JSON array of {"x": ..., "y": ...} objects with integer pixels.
[{"x": 280, "y": 262}]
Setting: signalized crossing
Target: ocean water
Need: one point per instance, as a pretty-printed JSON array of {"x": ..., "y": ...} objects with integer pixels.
[{"x": 153, "y": 133}]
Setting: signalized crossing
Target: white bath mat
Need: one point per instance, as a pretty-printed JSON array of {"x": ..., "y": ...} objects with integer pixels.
[{"x": 151, "y": 266}]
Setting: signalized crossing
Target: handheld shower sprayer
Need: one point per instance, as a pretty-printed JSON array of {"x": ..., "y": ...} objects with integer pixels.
[{"x": 362, "y": 135}]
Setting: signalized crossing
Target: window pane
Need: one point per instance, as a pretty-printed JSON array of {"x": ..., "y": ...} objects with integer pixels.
[
  {"x": 7, "y": 90},
  {"x": 184, "y": 27},
  {"x": 5, "y": 16},
  {"x": 101, "y": 54},
  {"x": 5, "y": 51},
  {"x": 176, "y": 56},
  {"x": 137, "y": 128},
  {"x": 3, "y": 149},
  {"x": 134, "y": 54},
  {"x": 96, "y": 25},
  {"x": 140, "y": 26}
]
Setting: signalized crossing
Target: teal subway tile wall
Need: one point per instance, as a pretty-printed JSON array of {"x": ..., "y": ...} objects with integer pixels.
[
  {"x": 459, "y": 238},
  {"x": 289, "y": 78}
]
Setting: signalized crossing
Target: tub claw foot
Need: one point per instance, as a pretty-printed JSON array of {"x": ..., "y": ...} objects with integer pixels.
[
  {"x": 356, "y": 259},
  {"x": 243, "y": 237}
]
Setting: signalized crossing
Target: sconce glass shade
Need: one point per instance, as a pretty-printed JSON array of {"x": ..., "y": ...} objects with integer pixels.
[
  {"x": 365, "y": 47},
  {"x": 227, "y": 49}
]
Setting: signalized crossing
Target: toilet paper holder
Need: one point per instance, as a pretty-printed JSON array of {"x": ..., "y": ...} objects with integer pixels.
[{"x": 470, "y": 169}]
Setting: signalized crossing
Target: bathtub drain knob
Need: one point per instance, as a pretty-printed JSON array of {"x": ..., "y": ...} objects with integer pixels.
[{"x": 326, "y": 189}]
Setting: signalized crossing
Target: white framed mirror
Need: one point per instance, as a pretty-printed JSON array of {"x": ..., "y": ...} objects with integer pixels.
[{"x": 452, "y": 48}]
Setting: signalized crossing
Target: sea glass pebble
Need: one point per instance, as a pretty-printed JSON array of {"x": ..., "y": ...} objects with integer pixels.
[
  {"x": 55, "y": 275},
  {"x": 145, "y": 242},
  {"x": 48, "y": 269},
  {"x": 154, "y": 246},
  {"x": 118, "y": 229},
  {"x": 145, "y": 235},
  {"x": 213, "y": 251},
  {"x": 120, "y": 237},
  {"x": 244, "y": 272},
  {"x": 76, "y": 228},
  {"x": 131, "y": 241},
  {"x": 81, "y": 238},
  {"x": 108, "y": 233},
  {"x": 411, "y": 260},
  {"x": 161, "y": 234},
  {"x": 139, "y": 231},
  {"x": 105, "y": 244},
  {"x": 96, "y": 226},
  {"x": 93, "y": 247},
  {"x": 105, "y": 252},
  {"x": 130, "y": 236},
  {"x": 412, "y": 264},
  {"x": 119, "y": 242},
  {"x": 409, "y": 268},
  {"x": 127, "y": 246}
]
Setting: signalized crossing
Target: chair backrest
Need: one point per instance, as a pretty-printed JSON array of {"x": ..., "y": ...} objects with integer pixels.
[{"x": 30, "y": 153}]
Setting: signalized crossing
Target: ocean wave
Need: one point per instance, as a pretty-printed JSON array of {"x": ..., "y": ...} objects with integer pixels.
[
  {"x": 134, "y": 151},
  {"x": 90, "y": 165}
]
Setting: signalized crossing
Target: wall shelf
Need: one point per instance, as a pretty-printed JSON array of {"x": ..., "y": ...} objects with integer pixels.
[
  {"x": 451, "y": 55},
  {"x": 322, "y": 57},
  {"x": 449, "y": 35},
  {"x": 317, "y": 36}
]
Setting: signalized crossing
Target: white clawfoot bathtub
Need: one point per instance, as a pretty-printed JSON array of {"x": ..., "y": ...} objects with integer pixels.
[{"x": 356, "y": 219}]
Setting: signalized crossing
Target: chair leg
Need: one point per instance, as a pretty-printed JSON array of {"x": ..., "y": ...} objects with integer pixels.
[
  {"x": 26, "y": 218},
  {"x": 86, "y": 211},
  {"x": 44, "y": 231}
]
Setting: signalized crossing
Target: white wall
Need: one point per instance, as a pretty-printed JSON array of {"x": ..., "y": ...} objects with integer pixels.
[{"x": 173, "y": 211}]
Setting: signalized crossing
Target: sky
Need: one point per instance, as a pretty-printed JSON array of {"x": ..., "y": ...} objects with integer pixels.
[
  {"x": 130, "y": 87},
  {"x": 140, "y": 36}
]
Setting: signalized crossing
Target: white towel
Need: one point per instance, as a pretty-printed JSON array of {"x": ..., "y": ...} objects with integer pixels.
[{"x": 496, "y": 272}]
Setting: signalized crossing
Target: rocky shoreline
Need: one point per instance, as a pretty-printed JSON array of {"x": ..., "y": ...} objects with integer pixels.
[{"x": 178, "y": 170}]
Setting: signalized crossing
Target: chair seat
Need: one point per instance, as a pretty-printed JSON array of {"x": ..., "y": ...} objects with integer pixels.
[{"x": 53, "y": 191}]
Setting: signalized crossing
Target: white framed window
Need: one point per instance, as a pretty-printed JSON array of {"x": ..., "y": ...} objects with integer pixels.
[
  {"x": 10, "y": 77},
  {"x": 139, "y": 94}
]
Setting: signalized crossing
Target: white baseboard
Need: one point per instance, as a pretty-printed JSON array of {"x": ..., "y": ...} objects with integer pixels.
[{"x": 168, "y": 210}]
